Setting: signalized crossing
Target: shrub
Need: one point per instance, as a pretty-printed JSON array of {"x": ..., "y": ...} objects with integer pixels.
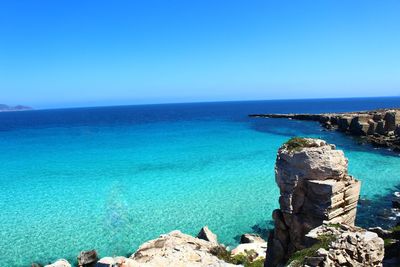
[
  {"x": 299, "y": 257},
  {"x": 297, "y": 143},
  {"x": 246, "y": 259}
]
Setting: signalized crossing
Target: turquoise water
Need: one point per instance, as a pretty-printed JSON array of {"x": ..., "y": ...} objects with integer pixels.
[{"x": 111, "y": 178}]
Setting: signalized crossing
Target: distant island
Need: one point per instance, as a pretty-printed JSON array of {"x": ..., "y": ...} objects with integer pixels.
[{"x": 4, "y": 108}]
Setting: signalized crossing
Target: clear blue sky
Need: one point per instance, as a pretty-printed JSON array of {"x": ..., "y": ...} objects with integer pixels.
[{"x": 77, "y": 53}]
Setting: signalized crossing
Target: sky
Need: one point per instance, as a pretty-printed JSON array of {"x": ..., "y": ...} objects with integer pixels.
[{"x": 68, "y": 53}]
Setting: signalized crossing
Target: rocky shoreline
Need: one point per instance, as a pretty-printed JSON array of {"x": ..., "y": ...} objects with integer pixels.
[
  {"x": 314, "y": 225},
  {"x": 380, "y": 128},
  {"x": 179, "y": 249}
]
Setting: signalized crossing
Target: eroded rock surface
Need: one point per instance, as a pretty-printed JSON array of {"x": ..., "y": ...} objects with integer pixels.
[
  {"x": 350, "y": 246},
  {"x": 87, "y": 258},
  {"x": 314, "y": 188},
  {"x": 177, "y": 249},
  {"x": 207, "y": 235}
]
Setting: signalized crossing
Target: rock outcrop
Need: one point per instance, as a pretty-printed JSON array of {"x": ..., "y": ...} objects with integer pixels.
[
  {"x": 87, "y": 258},
  {"x": 346, "y": 246},
  {"x": 315, "y": 187},
  {"x": 59, "y": 263},
  {"x": 177, "y": 249},
  {"x": 378, "y": 127},
  {"x": 207, "y": 235}
]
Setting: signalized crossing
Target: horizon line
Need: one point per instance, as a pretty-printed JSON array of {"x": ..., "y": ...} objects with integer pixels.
[{"x": 211, "y": 101}]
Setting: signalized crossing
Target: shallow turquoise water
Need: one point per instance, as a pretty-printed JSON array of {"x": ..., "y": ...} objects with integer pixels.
[{"x": 66, "y": 187}]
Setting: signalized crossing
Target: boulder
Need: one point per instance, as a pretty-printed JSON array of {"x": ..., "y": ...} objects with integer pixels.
[
  {"x": 314, "y": 188},
  {"x": 207, "y": 235},
  {"x": 59, "y": 263},
  {"x": 87, "y": 258},
  {"x": 251, "y": 238},
  {"x": 177, "y": 249}
]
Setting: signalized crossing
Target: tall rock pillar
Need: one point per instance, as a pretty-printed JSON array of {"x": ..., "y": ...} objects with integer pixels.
[{"x": 314, "y": 188}]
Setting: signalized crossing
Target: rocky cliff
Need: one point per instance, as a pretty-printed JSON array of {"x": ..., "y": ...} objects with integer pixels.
[
  {"x": 315, "y": 189},
  {"x": 314, "y": 225},
  {"x": 378, "y": 127}
]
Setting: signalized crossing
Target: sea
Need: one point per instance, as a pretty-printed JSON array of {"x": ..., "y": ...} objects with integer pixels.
[{"x": 111, "y": 178}]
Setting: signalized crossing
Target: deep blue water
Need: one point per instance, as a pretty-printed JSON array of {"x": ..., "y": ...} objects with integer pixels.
[{"x": 110, "y": 178}]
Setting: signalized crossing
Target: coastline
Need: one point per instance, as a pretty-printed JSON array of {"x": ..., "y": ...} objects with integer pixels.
[
  {"x": 380, "y": 127},
  {"x": 306, "y": 217},
  {"x": 258, "y": 153}
]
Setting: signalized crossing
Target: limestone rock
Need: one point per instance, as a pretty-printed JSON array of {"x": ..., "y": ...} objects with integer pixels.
[
  {"x": 258, "y": 248},
  {"x": 360, "y": 125},
  {"x": 177, "y": 249},
  {"x": 314, "y": 188},
  {"x": 382, "y": 233},
  {"x": 392, "y": 119},
  {"x": 344, "y": 123},
  {"x": 119, "y": 261},
  {"x": 87, "y": 258},
  {"x": 59, "y": 263},
  {"x": 350, "y": 246},
  {"x": 207, "y": 235},
  {"x": 251, "y": 238}
]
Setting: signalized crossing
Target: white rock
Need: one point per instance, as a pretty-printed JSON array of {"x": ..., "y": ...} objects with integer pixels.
[
  {"x": 177, "y": 249},
  {"x": 59, "y": 263},
  {"x": 259, "y": 248}
]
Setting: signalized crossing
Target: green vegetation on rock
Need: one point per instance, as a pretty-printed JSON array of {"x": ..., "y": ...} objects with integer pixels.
[
  {"x": 247, "y": 259},
  {"x": 299, "y": 257},
  {"x": 297, "y": 143}
]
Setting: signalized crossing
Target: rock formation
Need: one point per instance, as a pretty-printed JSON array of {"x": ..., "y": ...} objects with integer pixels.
[
  {"x": 378, "y": 127},
  {"x": 87, "y": 258},
  {"x": 177, "y": 249},
  {"x": 348, "y": 246},
  {"x": 207, "y": 235},
  {"x": 314, "y": 188}
]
